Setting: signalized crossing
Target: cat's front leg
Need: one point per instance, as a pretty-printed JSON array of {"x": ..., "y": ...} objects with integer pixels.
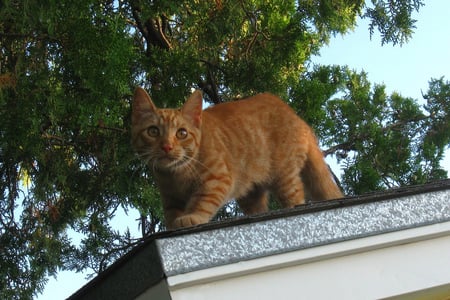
[
  {"x": 201, "y": 209},
  {"x": 189, "y": 220},
  {"x": 171, "y": 214},
  {"x": 205, "y": 203}
]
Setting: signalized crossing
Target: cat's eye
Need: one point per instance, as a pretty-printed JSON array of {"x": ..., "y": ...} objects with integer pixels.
[
  {"x": 181, "y": 133},
  {"x": 153, "y": 131}
]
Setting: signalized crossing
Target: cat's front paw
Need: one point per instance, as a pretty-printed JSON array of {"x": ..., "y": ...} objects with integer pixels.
[{"x": 188, "y": 220}]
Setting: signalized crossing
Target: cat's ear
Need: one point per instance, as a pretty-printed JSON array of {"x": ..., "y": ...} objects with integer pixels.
[
  {"x": 192, "y": 109},
  {"x": 142, "y": 105}
]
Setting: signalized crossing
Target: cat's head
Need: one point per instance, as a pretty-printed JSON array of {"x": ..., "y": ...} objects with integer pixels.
[{"x": 166, "y": 139}]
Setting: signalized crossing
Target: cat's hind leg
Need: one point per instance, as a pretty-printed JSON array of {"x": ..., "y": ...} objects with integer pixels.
[
  {"x": 255, "y": 202},
  {"x": 289, "y": 188}
]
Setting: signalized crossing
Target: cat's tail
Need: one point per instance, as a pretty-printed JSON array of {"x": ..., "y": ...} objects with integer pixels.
[{"x": 317, "y": 177}]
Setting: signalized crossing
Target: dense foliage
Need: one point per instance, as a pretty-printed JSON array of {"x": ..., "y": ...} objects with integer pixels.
[{"x": 67, "y": 72}]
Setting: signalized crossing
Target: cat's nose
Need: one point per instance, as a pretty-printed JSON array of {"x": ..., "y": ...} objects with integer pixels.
[{"x": 167, "y": 148}]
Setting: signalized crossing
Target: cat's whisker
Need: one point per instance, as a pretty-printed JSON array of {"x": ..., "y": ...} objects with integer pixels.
[
  {"x": 190, "y": 165},
  {"x": 154, "y": 166},
  {"x": 200, "y": 163},
  {"x": 193, "y": 172}
]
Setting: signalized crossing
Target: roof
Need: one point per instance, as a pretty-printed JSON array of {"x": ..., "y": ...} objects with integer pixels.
[{"x": 315, "y": 224}]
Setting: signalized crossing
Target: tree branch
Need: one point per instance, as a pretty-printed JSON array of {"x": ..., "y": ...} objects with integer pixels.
[
  {"x": 153, "y": 29},
  {"x": 350, "y": 143},
  {"x": 209, "y": 86}
]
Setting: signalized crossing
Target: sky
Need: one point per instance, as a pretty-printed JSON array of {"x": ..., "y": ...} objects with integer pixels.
[{"x": 405, "y": 69}]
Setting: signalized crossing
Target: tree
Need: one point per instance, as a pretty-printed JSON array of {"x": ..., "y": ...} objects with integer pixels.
[
  {"x": 383, "y": 141},
  {"x": 67, "y": 72}
]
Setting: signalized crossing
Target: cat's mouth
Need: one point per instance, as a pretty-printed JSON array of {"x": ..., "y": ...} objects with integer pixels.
[
  {"x": 170, "y": 161},
  {"x": 166, "y": 160}
]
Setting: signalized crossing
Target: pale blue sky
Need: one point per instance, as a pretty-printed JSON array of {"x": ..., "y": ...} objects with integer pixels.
[{"x": 405, "y": 69}]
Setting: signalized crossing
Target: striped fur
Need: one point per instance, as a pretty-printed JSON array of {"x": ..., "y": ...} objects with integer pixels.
[{"x": 236, "y": 150}]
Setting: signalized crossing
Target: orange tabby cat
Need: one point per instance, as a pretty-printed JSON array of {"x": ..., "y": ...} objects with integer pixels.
[{"x": 236, "y": 150}]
